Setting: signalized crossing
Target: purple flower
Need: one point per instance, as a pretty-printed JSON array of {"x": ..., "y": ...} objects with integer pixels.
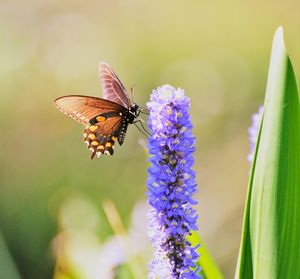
[
  {"x": 253, "y": 132},
  {"x": 171, "y": 185}
]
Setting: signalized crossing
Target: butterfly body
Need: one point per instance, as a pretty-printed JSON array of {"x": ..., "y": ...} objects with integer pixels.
[{"x": 106, "y": 119}]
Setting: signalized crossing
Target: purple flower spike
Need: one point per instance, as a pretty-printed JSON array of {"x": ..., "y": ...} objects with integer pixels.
[
  {"x": 171, "y": 185},
  {"x": 253, "y": 132}
]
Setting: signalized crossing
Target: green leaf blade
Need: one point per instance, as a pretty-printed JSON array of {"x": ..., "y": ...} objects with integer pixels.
[
  {"x": 269, "y": 247},
  {"x": 209, "y": 268}
]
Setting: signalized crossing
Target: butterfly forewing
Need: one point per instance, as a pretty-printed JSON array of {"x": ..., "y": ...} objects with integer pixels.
[
  {"x": 112, "y": 87},
  {"x": 84, "y": 108}
]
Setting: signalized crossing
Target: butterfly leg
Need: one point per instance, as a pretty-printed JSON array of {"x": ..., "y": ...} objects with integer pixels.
[
  {"x": 143, "y": 130},
  {"x": 146, "y": 135},
  {"x": 144, "y": 111}
]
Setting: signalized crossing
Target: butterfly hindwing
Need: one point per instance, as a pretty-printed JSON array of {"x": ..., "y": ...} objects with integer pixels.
[
  {"x": 104, "y": 130},
  {"x": 98, "y": 143}
]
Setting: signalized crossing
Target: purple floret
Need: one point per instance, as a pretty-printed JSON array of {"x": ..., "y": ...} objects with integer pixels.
[{"x": 253, "y": 132}]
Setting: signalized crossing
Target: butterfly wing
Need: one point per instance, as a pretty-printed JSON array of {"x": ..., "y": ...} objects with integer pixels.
[
  {"x": 104, "y": 121},
  {"x": 85, "y": 108},
  {"x": 104, "y": 131},
  {"x": 112, "y": 87}
]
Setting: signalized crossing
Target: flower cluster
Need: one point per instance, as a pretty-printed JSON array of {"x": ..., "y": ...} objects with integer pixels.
[
  {"x": 171, "y": 185},
  {"x": 253, "y": 132}
]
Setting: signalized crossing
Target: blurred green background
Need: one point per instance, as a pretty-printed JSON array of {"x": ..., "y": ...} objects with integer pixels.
[{"x": 218, "y": 51}]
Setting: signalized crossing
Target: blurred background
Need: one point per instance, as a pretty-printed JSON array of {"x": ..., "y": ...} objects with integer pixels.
[{"x": 65, "y": 216}]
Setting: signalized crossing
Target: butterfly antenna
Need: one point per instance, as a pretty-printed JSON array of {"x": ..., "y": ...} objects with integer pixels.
[{"x": 132, "y": 89}]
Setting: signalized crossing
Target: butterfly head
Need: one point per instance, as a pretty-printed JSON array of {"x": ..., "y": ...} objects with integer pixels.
[{"x": 135, "y": 110}]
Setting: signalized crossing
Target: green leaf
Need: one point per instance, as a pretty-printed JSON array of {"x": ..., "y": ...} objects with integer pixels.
[
  {"x": 270, "y": 246},
  {"x": 210, "y": 269},
  {"x": 124, "y": 271},
  {"x": 7, "y": 266}
]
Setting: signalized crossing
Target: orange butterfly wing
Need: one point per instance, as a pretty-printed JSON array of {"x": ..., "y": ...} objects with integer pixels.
[
  {"x": 103, "y": 120},
  {"x": 101, "y": 137},
  {"x": 84, "y": 108}
]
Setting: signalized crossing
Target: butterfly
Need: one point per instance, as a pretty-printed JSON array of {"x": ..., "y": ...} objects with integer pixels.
[{"x": 106, "y": 120}]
